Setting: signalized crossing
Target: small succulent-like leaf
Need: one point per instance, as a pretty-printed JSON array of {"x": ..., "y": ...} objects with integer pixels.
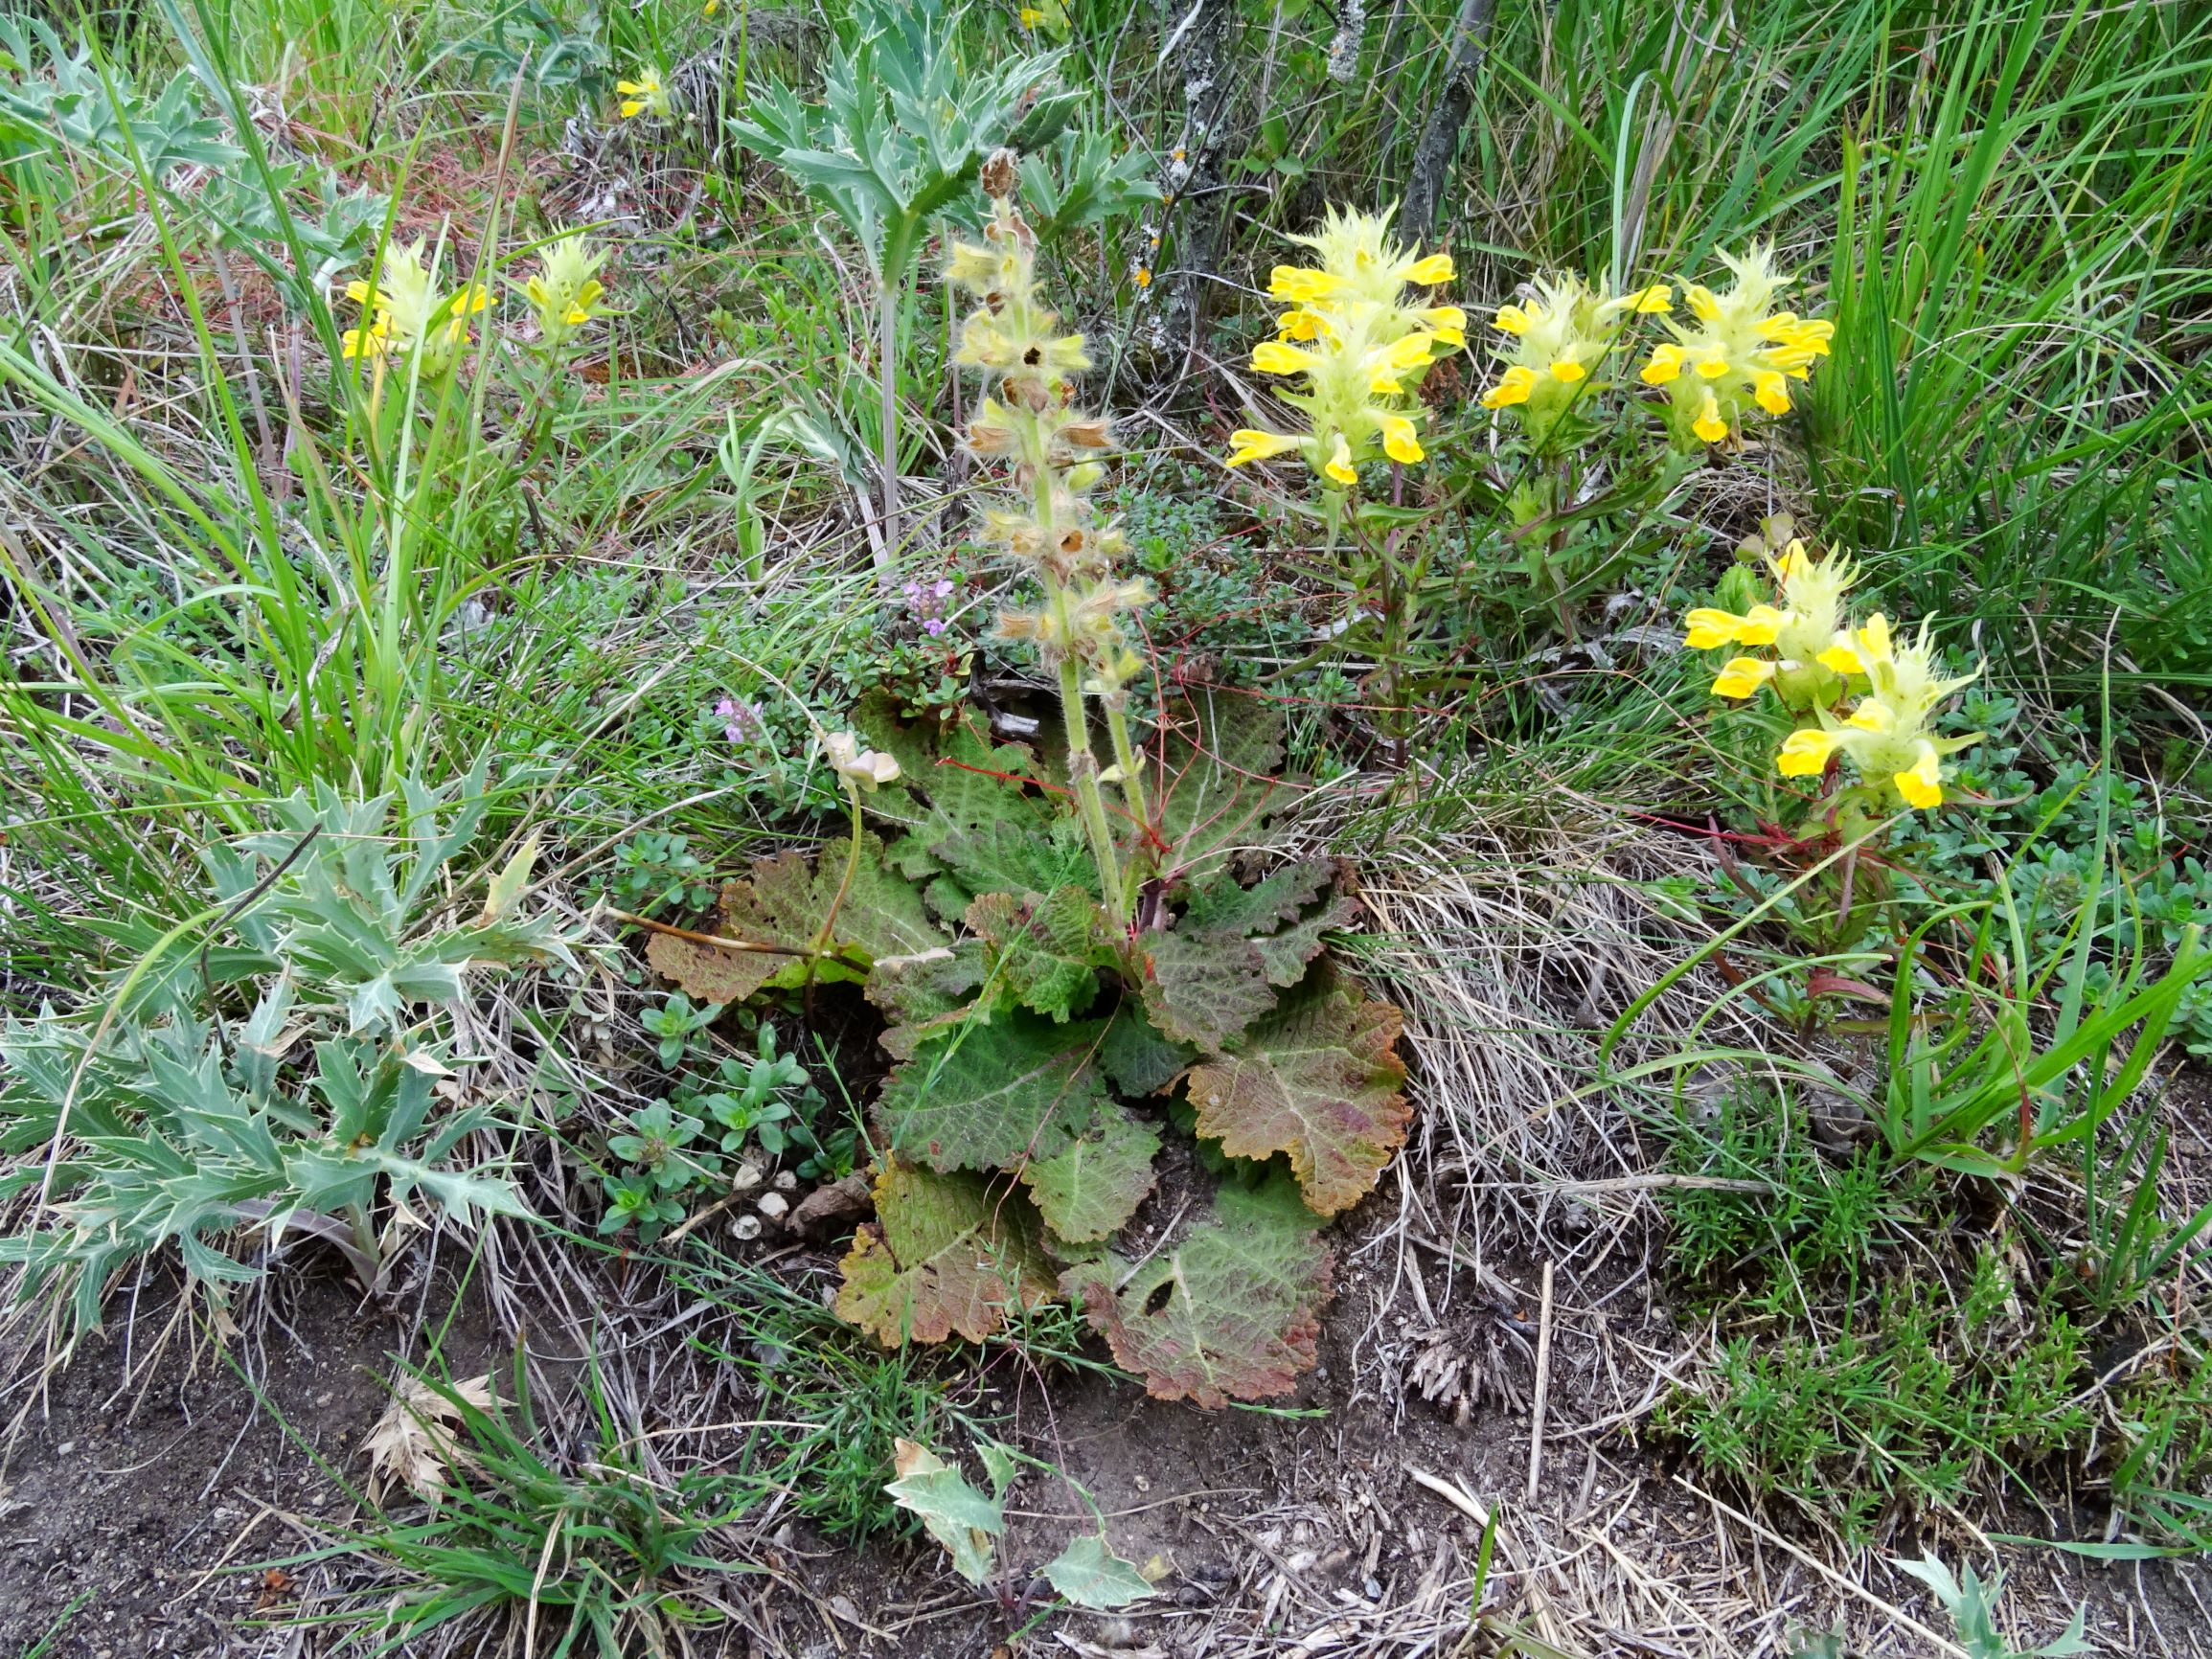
[
  {"x": 1090, "y": 1574},
  {"x": 1046, "y": 952},
  {"x": 989, "y": 1097},
  {"x": 1321, "y": 1079},
  {"x": 1230, "y": 1312},
  {"x": 950, "y": 1511},
  {"x": 1088, "y": 1192},
  {"x": 1204, "y": 987},
  {"x": 946, "y": 1255}
]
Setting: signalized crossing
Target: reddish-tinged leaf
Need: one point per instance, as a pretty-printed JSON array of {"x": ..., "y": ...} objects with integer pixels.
[
  {"x": 1204, "y": 987},
  {"x": 946, "y": 1255},
  {"x": 990, "y": 1096},
  {"x": 1230, "y": 1312},
  {"x": 1321, "y": 1079}
]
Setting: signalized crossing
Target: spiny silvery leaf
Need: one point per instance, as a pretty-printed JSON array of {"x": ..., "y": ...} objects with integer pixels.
[{"x": 1079, "y": 180}]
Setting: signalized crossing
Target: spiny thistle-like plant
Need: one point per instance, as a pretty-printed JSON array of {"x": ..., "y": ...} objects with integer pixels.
[
  {"x": 1819, "y": 663},
  {"x": 404, "y": 316},
  {"x": 566, "y": 291},
  {"x": 1027, "y": 420},
  {"x": 1360, "y": 348},
  {"x": 1561, "y": 334},
  {"x": 1740, "y": 355}
]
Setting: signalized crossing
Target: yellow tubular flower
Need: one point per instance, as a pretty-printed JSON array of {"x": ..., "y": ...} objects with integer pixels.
[
  {"x": 1922, "y": 783},
  {"x": 1513, "y": 387},
  {"x": 1399, "y": 441},
  {"x": 1804, "y": 753},
  {"x": 643, "y": 96},
  {"x": 1666, "y": 363},
  {"x": 1709, "y": 628},
  {"x": 1742, "y": 676},
  {"x": 1708, "y": 425},
  {"x": 1247, "y": 444},
  {"x": 1339, "y": 465},
  {"x": 1273, "y": 357}
]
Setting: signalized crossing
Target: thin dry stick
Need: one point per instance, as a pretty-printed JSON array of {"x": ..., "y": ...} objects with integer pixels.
[{"x": 1543, "y": 1378}]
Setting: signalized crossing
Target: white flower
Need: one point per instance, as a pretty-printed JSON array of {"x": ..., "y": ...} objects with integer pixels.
[{"x": 857, "y": 765}]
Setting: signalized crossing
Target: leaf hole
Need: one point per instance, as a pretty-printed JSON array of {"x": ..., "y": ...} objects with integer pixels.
[{"x": 1162, "y": 1293}]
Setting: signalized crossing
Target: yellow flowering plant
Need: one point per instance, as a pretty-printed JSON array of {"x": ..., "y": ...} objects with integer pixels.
[
  {"x": 566, "y": 291},
  {"x": 645, "y": 96},
  {"x": 1738, "y": 353},
  {"x": 1561, "y": 334},
  {"x": 404, "y": 315},
  {"x": 1027, "y": 420},
  {"x": 1861, "y": 691}
]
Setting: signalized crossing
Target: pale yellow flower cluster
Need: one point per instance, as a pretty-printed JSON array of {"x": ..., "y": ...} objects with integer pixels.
[
  {"x": 1561, "y": 332},
  {"x": 1741, "y": 353},
  {"x": 404, "y": 316},
  {"x": 1815, "y": 662},
  {"x": 1359, "y": 347}
]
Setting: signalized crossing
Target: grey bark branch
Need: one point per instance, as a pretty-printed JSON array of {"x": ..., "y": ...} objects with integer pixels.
[{"x": 1438, "y": 141}]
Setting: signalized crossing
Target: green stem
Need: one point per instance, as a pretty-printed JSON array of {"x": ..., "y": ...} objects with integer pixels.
[
  {"x": 821, "y": 946},
  {"x": 887, "y": 350},
  {"x": 1133, "y": 776}
]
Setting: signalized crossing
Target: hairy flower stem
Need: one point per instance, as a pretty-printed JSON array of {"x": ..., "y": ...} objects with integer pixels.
[
  {"x": 1082, "y": 764},
  {"x": 887, "y": 353}
]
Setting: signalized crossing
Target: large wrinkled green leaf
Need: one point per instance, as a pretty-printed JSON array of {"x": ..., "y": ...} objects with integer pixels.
[
  {"x": 1217, "y": 969},
  {"x": 990, "y": 1096},
  {"x": 1228, "y": 1312},
  {"x": 1319, "y": 1080},
  {"x": 1086, "y": 1193},
  {"x": 1046, "y": 953},
  {"x": 1220, "y": 795},
  {"x": 946, "y": 1255},
  {"x": 1203, "y": 988}
]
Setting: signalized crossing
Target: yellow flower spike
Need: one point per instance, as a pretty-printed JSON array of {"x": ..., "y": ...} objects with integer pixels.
[
  {"x": 1804, "y": 753},
  {"x": 1398, "y": 442},
  {"x": 1512, "y": 320},
  {"x": 643, "y": 96},
  {"x": 1273, "y": 357},
  {"x": 1666, "y": 363},
  {"x": 1709, "y": 425},
  {"x": 1709, "y": 629},
  {"x": 1247, "y": 444},
  {"x": 1340, "y": 466},
  {"x": 1410, "y": 353},
  {"x": 1922, "y": 783},
  {"x": 1872, "y": 714},
  {"x": 1759, "y": 624},
  {"x": 1742, "y": 677},
  {"x": 1772, "y": 392},
  {"x": 1428, "y": 272},
  {"x": 1517, "y": 383}
]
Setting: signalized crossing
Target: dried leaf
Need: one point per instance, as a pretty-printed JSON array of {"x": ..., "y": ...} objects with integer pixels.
[
  {"x": 414, "y": 1445},
  {"x": 1088, "y": 1192},
  {"x": 1319, "y": 1080},
  {"x": 946, "y": 1255},
  {"x": 707, "y": 974},
  {"x": 504, "y": 889},
  {"x": 950, "y": 1511},
  {"x": 988, "y": 1097},
  {"x": 1228, "y": 1313}
]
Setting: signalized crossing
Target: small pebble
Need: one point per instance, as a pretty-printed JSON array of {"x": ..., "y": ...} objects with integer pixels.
[
  {"x": 774, "y": 1206},
  {"x": 786, "y": 1181},
  {"x": 747, "y": 1178},
  {"x": 746, "y": 1227},
  {"x": 65, "y": 1448}
]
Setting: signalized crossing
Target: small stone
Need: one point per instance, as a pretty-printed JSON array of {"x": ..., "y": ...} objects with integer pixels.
[
  {"x": 747, "y": 1178},
  {"x": 746, "y": 1227},
  {"x": 786, "y": 1181},
  {"x": 65, "y": 1448},
  {"x": 774, "y": 1206}
]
